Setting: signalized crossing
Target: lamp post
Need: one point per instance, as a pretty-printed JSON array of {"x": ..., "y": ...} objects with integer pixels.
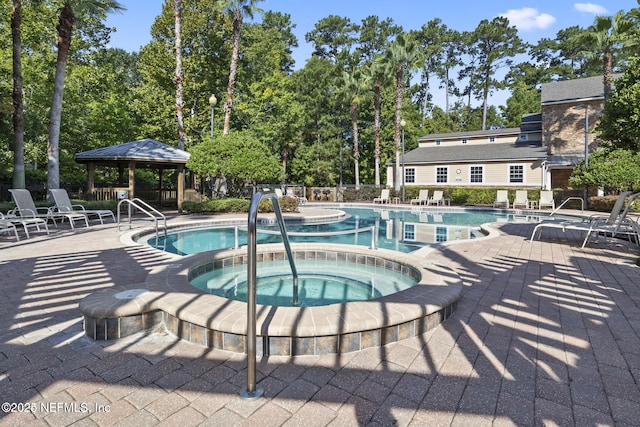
[
  {"x": 402, "y": 125},
  {"x": 585, "y": 107},
  {"x": 212, "y": 102}
]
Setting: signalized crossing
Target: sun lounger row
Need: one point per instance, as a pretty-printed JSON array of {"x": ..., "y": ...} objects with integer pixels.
[
  {"x": 522, "y": 200},
  {"x": 29, "y": 216}
]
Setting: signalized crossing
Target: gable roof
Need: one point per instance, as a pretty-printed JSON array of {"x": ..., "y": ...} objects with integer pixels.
[
  {"x": 589, "y": 88},
  {"x": 471, "y": 134},
  {"x": 475, "y": 153},
  {"x": 143, "y": 150}
]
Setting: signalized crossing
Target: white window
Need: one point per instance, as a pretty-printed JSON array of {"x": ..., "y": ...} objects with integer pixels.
[
  {"x": 492, "y": 139},
  {"x": 410, "y": 175},
  {"x": 516, "y": 173},
  {"x": 442, "y": 174},
  {"x": 409, "y": 231},
  {"x": 438, "y": 142},
  {"x": 464, "y": 140},
  {"x": 476, "y": 174}
]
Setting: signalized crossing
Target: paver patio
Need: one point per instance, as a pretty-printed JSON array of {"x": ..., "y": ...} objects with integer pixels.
[{"x": 546, "y": 333}]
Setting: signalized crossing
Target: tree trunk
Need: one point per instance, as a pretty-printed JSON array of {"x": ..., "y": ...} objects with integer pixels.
[
  {"x": 18, "y": 104},
  {"x": 607, "y": 73},
  {"x": 376, "y": 129},
  {"x": 177, "y": 10},
  {"x": 65, "y": 26},
  {"x": 396, "y": 132},
  {"x": 356, "y": 142},
  {"x": 233, "y": 69}
]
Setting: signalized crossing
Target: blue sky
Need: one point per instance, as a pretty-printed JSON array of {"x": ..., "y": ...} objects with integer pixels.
[{"x": 534, "y": 19}]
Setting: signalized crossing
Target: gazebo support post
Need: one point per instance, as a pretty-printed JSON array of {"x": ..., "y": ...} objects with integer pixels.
[
  {"x": 180, "y": 195},
  {"x": 132, "y": 178},
  {"x": 91, "y": 184}
]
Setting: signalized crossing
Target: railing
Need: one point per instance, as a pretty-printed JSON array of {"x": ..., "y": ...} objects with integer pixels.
[
  {"x": 252, "y": 393},
  {"x": 147, "y": 209},
  {"x": 564, "y": 202}
]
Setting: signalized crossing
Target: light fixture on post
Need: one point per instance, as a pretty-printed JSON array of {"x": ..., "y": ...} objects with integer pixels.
[
  {"x": 402, "y": 125},
  {"x": 212, "y": 102},
  {"x": 585, "y": 107}
]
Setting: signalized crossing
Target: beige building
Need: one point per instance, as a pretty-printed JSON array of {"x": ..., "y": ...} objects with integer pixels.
[{"x": 541, "y": 153}]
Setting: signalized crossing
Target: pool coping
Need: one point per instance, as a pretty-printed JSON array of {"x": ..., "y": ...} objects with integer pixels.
[{"x": 191, "y": 314}]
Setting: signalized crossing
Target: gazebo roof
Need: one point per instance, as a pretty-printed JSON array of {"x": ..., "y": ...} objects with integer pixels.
[{"x": 146, "y": 151}]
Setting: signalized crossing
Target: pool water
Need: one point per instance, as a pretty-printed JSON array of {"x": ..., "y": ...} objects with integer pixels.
[
  {"x": 320, "y": 282},
  {"x": 399, "y": 230}
]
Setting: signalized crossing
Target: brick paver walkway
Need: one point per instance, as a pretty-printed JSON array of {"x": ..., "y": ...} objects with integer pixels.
[{"x": 545, "y": 334}]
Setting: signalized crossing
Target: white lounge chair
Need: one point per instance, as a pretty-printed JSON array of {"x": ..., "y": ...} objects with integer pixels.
[
  {"x": 6, "y": 225},
  {"x": 384, "y": 197},
  {"x": 26, "y": 209},
  {"x": 546, "y": 199},
  {"x": 502, "y": 199},
  {"x": 63, "y": 204},
  {"x": 422, "y": 199},
  {"x": 437, "y": 199},
  {"x": 522, "y": 199},
  {"x": 615, "y": 223}
]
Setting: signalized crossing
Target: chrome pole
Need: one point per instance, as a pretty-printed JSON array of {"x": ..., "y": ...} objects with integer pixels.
[{"x": 252, "y": 393}]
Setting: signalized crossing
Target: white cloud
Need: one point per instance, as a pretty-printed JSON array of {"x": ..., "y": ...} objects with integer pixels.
[
  {"x": 528, "y": 18},
  {"x": 595, "y": 9}
]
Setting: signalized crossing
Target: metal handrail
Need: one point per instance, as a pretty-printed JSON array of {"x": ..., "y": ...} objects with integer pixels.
[
  {"x": 252, "y": 393},
  {"x": 564, "y": 202},
  {"x": 146, "y": 208}
]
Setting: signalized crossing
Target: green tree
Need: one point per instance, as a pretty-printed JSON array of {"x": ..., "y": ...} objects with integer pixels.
[
  {"x": 403, "y": 55},
  {"x": 237, "y": 8},
  {"x": 495, "y": 45},
  {"x": 616, "y": 170},
  {"x": 65, "y": 28},
  {"x": 619, "y": 125},
  {"x": 607, "y": 36},
  {"x": 330, "y": 36},
  {"x": 523, "y": 100},
  {"x": 239, "y": 157}
]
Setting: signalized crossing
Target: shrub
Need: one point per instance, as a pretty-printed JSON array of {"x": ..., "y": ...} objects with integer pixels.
[{"x": 230, "y": 205}]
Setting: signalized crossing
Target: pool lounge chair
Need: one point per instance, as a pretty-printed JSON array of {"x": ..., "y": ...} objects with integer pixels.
[
  {"x": 422, "y": 199},
  {"x": 502, "y": 199},
  {"x": 7, "y": 226},
  {"x": 615, "y": 223},
  {"x": 522, "y": 199},
  {"x": 26, "y": 209},
  {"x": 437, "y": 199},
  {"x": 63, "y": 204},
  {"x": 546, "y": 199},
  {"x": 384, "y": 197}
]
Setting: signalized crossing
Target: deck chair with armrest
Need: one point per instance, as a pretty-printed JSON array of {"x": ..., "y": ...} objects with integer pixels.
[
  {"x": 384, "y": 197},
  {"x": 64, "y": 205},
  {"x": 591, "y": 224},
  {"x": 522, "y": 199},
  {"x": 26, "y": 208},
  {"x": 502, "y": 199},
  {"x": 422, "y": 199},
  {"x": 546, "y": 199}
]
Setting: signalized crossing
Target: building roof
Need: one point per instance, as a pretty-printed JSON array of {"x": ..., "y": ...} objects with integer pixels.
[
  {"x": 471, "y": 134},
  {"x": 145, "y": 150},
  {"x": 476, "y": 153},
  {"x": 573, "y": 90}
]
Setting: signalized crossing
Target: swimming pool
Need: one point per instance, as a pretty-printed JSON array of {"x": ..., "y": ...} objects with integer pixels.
[{"x": 400, "y": 230}]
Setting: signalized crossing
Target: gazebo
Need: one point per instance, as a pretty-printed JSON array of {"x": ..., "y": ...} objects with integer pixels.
[{"x": 145, "y": 153}]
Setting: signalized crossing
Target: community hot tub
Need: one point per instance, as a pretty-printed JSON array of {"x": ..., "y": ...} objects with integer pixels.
[{"x": 169, "y": 300}]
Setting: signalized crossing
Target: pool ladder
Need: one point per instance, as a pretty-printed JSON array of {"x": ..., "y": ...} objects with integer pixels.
[{"x": 252, "y": 393}]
